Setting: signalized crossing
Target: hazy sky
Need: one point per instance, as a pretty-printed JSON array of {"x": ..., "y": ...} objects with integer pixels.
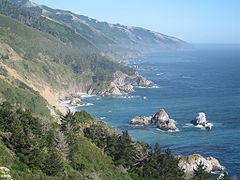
[{"x": 195, "y": 21}]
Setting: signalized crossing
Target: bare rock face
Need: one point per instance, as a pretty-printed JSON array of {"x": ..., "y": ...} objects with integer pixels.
[
  {"x": 112, "y": 89},
  {"x": 161, "y": 116},
  {"x": 208, "y": 126},
  {"x": 160, "y": 119},
  {"x": 75, "y": 102},
  {"x": 142, "y": 121},
  {"x": 201, "y": 120},
  {"x": 168, "y": 125},
  {"x": 126, "y": 83},
  {"x": 216, "y": 166},
  {"x": 163, "y": 121},
  {"x": 122, "y": 84},
  {"x": 191, "y": 162}
]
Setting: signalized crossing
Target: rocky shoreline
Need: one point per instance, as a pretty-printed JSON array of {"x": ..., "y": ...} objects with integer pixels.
[
  {"x": 191, "y": 163},
  {"x": 122, "y": 84}
]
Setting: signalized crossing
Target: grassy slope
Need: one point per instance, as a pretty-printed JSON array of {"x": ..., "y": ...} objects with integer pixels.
[
  {"x": 19, "y": 94},
  {"x": 28, "y": 42},
  {"x": 35, "y": 20}
]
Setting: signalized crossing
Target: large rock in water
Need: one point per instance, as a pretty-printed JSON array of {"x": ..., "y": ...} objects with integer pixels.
[
  {"x": 161, "y": 116},
  {"x": 191, "y": 162},
  {"x": 142, "y": 121},
  {"x": 163, "y": 121},
  {"x": 201, "y": 120}
]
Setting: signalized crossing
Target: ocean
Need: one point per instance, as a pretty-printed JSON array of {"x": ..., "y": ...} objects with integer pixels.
[{"x": 206, "y": 79}]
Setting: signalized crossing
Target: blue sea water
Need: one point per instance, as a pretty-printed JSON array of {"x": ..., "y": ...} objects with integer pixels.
[{"x": 203, "y": 79}]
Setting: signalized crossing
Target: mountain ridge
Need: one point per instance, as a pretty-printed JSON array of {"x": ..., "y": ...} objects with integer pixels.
[{"x": 113, "y": 39}]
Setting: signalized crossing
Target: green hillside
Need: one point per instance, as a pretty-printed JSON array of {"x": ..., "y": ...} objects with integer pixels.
[
  {"x": 36, "y": 21},
  {"x": 42, "y": 60},
  {"x": 79, "y": 148}
]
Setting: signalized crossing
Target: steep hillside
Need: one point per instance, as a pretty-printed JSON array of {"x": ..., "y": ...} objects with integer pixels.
[
  {"x": 33, "y": 19},
  {"x": 33, "y": 148},
  {"x": 114, "y": 39},
  {"x": 49, "y": 66}
]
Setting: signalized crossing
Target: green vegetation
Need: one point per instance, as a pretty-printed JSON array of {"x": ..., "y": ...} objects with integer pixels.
[
  {"x": 200, "y": 173},
  {"x": 33, "y": 148},
  {"x": 36, "y": 21},
  {"x": 137, "y": 157},
  {"x": 19, "y": 94},
  {"x": 79, "y": 148},
  {"x": 46, "y": 57}
]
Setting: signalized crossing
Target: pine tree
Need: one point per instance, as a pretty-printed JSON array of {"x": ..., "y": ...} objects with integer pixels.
[
  {"x": 200, "y": 173},
  {"x": 62, "y": 145}
]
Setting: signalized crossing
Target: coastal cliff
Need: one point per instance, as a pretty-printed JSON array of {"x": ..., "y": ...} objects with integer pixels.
[{"x": 122, "y": 84}]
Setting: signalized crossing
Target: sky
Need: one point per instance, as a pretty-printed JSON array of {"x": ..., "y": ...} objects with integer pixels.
[{"x": 194, "y": 21}]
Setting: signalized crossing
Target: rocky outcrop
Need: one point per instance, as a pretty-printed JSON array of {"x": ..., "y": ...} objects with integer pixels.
[
  {"x": 191, "y": 162},
  {"x": 160, "y": 119},
  {"x": 163, "y": 121},
  {"x": 161, "y": 115},
  {"x": 168, "y": 125},
  {"x": 142, "y": 121},
  {"x": 126, "y": 83},
  {"x": 111, "y": 90},
  {"x": 122, "y": 84},
  {"x": 201, "y": 120}
]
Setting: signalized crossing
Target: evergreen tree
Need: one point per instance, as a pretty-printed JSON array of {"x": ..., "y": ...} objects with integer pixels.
[
  {"x": 200, "y": 173},
  {"x": 124, "y": 150},
  {"x": 62, "y": 145}
]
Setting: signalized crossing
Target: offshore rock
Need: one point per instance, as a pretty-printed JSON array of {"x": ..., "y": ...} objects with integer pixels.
[
  {"x": 201, "y": 120},
  {"x": 163, "y": 121},
  {"x": 161, "y": 116},
  {"x": 142, "y": 121},
  {"x": 160, "y": 119}
]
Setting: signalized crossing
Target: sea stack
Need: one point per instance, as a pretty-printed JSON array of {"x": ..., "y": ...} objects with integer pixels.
[
  {"x": 160, "y": 119},
  {"x": 163, "y": 121},
  {"x": 201, "y": 120},
  {"x": 142, "y": 121}
]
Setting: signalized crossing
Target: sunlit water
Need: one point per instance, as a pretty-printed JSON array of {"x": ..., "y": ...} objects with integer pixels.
[{"x": 205, "y": 79}]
